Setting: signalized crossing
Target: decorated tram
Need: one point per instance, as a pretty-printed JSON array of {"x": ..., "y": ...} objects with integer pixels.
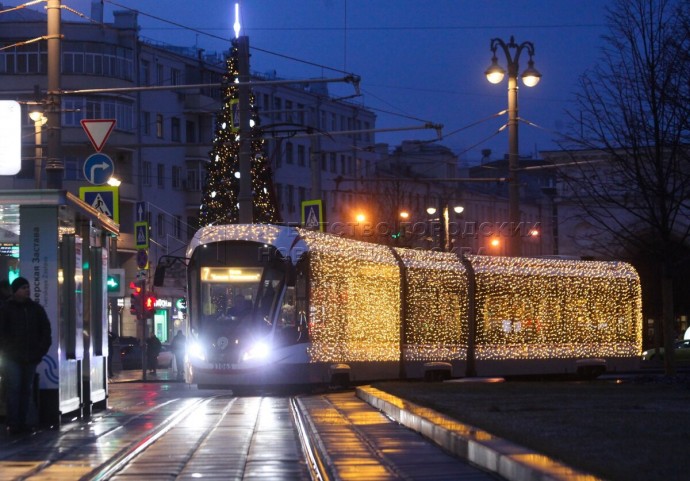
[{"x": 276, "y": 305}]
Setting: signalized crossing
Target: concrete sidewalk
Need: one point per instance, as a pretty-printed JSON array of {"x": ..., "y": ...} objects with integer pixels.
[{"x": 509, "y": 460}]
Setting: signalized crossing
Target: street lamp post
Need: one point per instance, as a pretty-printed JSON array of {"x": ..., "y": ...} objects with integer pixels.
[
  {"x": 39, "y": 121},
  {"x": 530, "y": 77},
  {"x": 443, "y": 211}
]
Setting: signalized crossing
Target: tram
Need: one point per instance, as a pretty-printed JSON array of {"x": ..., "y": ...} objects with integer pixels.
[{"x": 283, "y": 306}]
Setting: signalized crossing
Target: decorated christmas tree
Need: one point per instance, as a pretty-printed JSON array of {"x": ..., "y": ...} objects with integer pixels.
[{"x": 219, "y": 202}]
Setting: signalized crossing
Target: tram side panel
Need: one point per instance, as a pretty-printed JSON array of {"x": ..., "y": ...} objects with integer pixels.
[
  {"x": 354, "y": 308},
  {"x": 435, "y": 298},
  {"x": 550, "y": 316}
]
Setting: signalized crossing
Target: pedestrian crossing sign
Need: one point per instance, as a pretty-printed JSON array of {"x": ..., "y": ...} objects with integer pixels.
[
  {"x": 141, "y": 235},
  {"x": 312, "y": 215},
  {"x": 105, "y": 199}
]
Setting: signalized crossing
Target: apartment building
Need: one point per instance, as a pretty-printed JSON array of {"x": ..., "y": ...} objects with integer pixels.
[{"x": 164, "y": 132}]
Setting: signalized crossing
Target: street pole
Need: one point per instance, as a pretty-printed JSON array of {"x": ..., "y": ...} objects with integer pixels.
[
  {"x": 513, "y": 164},
  {"x": 315, "y": 156},
  {"x": 245, "y": 197},
  {"x": 39, "y": 120},
  {"x": 530, "y": 77},
  {"x": 54, "y": 165}
]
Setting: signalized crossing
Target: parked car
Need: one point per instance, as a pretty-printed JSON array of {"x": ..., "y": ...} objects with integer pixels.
[
  {"x": 130, "y": 355},
  {"x": 681, "y": 351}
]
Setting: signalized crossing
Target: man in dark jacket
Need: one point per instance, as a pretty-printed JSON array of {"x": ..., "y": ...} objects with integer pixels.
[
  {"x": 25, "y": 338},
  {"x": 153, "y": 349},
  {"x": 178, "y": 347}
]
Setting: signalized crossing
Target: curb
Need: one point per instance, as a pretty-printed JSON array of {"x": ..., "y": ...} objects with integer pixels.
[{"x": 509, "y": 460}]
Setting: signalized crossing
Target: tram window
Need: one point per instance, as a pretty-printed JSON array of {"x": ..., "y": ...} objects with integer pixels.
[{"x": 287, "y": 310}]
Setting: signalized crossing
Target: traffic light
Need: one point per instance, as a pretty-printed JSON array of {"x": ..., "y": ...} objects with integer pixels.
[
  {"x": 136, "y": 299},
  {"x": 181, "y": 304},
  {"x": 149, "y": 306},
  {"x": 115, "y": 282}
]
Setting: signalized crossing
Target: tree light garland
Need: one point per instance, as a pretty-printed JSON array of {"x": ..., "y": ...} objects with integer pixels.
[{"x": 219, "y": 204}]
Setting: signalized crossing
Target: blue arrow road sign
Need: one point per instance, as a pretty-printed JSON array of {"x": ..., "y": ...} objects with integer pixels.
[
  {"x": 140, "y": 209},
  {"x": 98, "y": 168}
]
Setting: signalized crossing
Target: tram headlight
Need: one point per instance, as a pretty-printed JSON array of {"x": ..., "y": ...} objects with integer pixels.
[
  {"x": 259, "y": 350},
  {"x": 195, "y": 350}
]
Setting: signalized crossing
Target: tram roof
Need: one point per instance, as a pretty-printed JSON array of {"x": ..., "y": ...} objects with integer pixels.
[{"x": 282, "y": 237}]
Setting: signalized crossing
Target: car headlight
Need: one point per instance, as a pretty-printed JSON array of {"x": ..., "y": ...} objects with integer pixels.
[
  {"x": 195, "y": 350},
  {"x": 260, "y": 350}
]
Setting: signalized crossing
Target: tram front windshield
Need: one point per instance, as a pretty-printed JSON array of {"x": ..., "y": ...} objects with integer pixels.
[{"x": 228, "y": 294}]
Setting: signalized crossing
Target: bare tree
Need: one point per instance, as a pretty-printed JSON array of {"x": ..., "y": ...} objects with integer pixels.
[{"x": 633, "y": 116}]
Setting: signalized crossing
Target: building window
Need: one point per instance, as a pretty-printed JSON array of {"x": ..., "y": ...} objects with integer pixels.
[
  {"x": 146, "y": 173},
  {"x": 301, "y": 154},
  {"x": 192, "y": 226},
  {"x": 145, "y": 72},
  {"x": 279, "y": 196},
  {"x": 192, "y": 180},
  {"x": 161, "y": 175},
  {"x": 278, "y": 107},
  {"x": 73, "y": 168},
  {"x": 159, "y": 126},
  {"x": 175, "y": 134},
  {"x": 175, "y": 77},
  {"x": 290, "y": 198},
  {"x": 332, "y": 156},
  {"x": 160, "y": 225},
  {"x": 176, "y": 174},
  {"x": 289, "y": 153},
  {"x": 300, "y": 114},
  {"x": 301, "y": 195},
  {"x": 288, "y": 111},
  {"x": 190, "y": 132},
  {"x": 177, "y": 228},
  {"x": 31, "y": 59},
  {"x": 146, "y": 123},
  {"x": 160, "y": 74},
  {"x": 91, "y": 59},
  {"x": 75, "y": 109}
]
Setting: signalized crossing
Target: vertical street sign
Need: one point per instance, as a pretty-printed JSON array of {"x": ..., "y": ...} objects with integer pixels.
[{"x": 140, "y": 211}]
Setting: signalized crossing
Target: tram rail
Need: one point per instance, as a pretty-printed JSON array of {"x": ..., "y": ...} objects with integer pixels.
[{"x": 116, "y": 463}]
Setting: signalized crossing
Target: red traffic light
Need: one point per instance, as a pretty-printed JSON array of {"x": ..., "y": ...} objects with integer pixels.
[
  {"x": 149, "y": 303},
  {"x": 136, "y": 288}
]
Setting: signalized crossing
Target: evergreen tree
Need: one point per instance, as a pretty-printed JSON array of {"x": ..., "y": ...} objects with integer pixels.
[{"x": 219, "y": 202}]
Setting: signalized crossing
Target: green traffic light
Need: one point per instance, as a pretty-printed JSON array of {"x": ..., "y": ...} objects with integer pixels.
[{"x": 113, "y": 283}]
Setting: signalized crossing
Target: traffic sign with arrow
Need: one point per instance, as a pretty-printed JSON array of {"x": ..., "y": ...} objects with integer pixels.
[{"x": 98, "y": 168}]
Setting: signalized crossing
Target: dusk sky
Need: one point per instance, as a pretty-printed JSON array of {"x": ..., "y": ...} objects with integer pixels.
[{"x": 419, "y": 60}]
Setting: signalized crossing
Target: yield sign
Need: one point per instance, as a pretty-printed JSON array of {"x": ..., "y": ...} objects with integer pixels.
[{"x": 98, "y": 131}]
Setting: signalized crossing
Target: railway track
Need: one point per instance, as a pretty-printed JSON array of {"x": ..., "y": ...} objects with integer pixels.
[{"x": 333, "y": 436}]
